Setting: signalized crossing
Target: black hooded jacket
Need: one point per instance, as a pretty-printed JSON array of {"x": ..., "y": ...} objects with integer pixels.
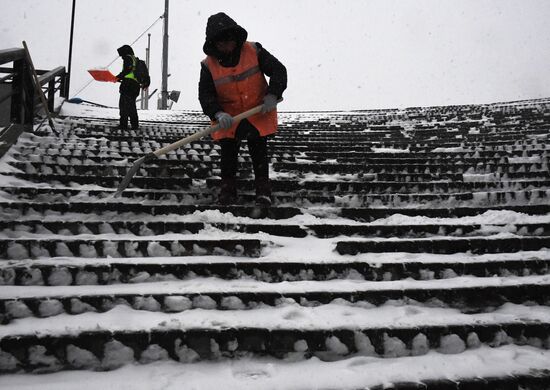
[
  {"x": 126, "y": 52},
  {"x": 222, "y": 25},
  {"x": 127, "y": 87}
]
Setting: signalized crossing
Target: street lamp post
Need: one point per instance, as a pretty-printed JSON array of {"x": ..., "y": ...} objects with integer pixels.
[
  {"x": 164, "y": 87},
  {"x": 145, "y": 91},
  {"x": 68, "y": 80}
]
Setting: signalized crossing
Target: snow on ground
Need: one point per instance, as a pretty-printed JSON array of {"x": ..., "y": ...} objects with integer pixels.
[
  {"x": 480, "y": 177},
  {"x": 311, "y": 216},
  {"x": 103, "y": 113},
  {"x": 490, "y": 217},
  {"x": 206, "y": 286},
  {"x": 270, "y": 374},
  {"x": 390, "y": 150},
  {"x": 86, "y": 111},
  {"x": 373, "y": 259},
  {"x": 457, "y": 149},
  {"x": 259, "y": 373},
  {"x": 288, "y": 315}
]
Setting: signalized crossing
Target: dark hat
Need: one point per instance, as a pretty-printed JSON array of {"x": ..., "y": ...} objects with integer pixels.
[
  {"x": 125, "y": 50},
  {"x": 221, "y": 27}
]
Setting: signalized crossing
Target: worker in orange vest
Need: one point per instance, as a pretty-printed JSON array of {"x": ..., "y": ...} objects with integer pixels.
[{"x": 232, "y": 80}]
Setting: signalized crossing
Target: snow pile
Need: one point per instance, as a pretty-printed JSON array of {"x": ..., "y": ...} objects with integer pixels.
[
  {"x": 525, "y": 160},
  {"x": 480, "y": 177},
  {"x": 116, "y": 355},
  {"x": 390, "y": 150},
  {"x": 60, "y": 277},
  {"x": 451, "y": 344},
  {"x": 50, "y": 307},
  {"x": 81, "y": 358},
  {"x": 44, "y": 362},
  {"x": 184, "y": 353},
  {"x": 153, "y": 353},
  {"x": 8, "y": 362},
  {"x": 458, "y": 149},
  {"x": 177, "y": 303}
]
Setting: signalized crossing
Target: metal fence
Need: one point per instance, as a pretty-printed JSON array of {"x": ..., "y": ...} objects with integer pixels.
[{"x": 17, "y": 92}]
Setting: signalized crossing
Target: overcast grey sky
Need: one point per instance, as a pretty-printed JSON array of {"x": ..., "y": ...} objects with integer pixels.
[{"x": 340, "y": 54}]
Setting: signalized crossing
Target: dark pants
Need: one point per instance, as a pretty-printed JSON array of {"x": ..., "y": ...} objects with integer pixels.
[
  {"x": 257, "y": 146},
  {"x": 129, "y": 91}
]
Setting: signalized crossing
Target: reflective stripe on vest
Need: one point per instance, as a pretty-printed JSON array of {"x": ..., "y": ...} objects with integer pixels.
[
  {"x": 131, "y": 75},
  {"x": 237, "y": 77},
  {"x": 241, "y": 88}
]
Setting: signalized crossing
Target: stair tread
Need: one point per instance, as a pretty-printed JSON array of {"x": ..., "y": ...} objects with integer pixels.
[
  {"x": 286, "y": 316},
  {"x": 356, "y": 372},
  {"x": 443, "y": 185},
  {"x": 217, "y": 286},
  {"x": 375, "y": 259}
]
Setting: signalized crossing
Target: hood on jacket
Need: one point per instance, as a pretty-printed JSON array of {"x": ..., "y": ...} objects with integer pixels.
[
  {"x": 125, "y": 50},
  {"x": 221, "y": 25}
]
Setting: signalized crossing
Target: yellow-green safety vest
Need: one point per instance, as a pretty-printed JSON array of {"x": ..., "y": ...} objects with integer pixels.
[{"x": 131, "y": 75}]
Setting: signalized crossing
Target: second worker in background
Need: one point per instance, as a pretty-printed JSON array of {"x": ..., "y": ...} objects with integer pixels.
[
  {"x": 132, "y": 78},
  {"x": 232, "y": 81}
]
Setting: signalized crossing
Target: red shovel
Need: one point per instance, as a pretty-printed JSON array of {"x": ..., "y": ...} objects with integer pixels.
[{"x": 103, "y": 75}]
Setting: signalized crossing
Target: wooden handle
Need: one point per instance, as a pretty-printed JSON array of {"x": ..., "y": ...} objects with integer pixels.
[{"x": 198, "y": 135}]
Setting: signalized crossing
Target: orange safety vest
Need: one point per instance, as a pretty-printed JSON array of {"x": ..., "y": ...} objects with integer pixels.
[{"x": 241, "y": 88}]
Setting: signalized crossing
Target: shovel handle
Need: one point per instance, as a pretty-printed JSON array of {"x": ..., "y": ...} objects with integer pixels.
[
  {"x": 151, "y": 156},
  {"x": 198, "y": 135}
]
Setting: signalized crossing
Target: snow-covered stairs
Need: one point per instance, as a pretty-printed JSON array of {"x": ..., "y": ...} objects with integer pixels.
[{"x": 394, "y": 235}]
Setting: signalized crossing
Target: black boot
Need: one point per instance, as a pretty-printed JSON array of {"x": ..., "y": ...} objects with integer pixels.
[
  {"x": 263, "y": 191},
  {"x": 228, "y": 191}
]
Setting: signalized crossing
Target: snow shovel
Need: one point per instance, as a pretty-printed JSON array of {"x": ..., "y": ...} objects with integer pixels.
[
  {"x": 184, "y": 141},
  {"x": 104, "y": 75}
]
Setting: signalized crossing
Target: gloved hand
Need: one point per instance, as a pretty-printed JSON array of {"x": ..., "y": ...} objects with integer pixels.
[
  {"x": 270, "y": 103},
  {"x": 224, "y": 119}
]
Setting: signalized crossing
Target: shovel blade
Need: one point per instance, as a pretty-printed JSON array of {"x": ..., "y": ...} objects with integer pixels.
[{"x": 131, "y": 172}]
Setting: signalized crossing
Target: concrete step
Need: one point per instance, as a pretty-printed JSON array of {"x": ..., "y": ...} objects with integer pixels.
[
  {"x": 81, "y": 271},
  {"x": 157, "y": 335},
  {"x": 372, "y": 214},
  {"x": 467, "y": 294},
  {"x": 17, "y": 249},
  {"x": 518, "y": 368},
  {"x": 349, "y": 163},
  {"x": 322, "y": 230},
  {"x": 475, "y": 245},
  {"x": 360, "y": 184},
  {"x": 32, "y": 209},
  {"x": 299, "y": 197}
]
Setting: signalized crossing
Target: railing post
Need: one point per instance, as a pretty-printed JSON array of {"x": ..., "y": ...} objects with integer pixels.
[
  {"x": 17, "y": 107},
  {"x": 22, "y": 102},
  {"x": 64, "y": 86},
  {"x": 29, "y": 96},
  {"x": 51, "y": 94}
]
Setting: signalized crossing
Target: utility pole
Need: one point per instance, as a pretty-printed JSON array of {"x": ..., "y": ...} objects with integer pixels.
[
  {"x": 68, "y": 80},
  {"x": 164, "y": 87},
  {"x": 145, "y": 91}
]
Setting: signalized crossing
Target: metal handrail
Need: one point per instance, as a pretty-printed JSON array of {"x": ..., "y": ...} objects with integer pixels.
[
  {"x": 10, "y": 55},
  {"x": 24, "y": 104},
  {"x": 52, "y": 74}
]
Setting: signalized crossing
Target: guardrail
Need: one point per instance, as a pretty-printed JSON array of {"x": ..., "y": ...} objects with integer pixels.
[{"x": 24, "y": 100}]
